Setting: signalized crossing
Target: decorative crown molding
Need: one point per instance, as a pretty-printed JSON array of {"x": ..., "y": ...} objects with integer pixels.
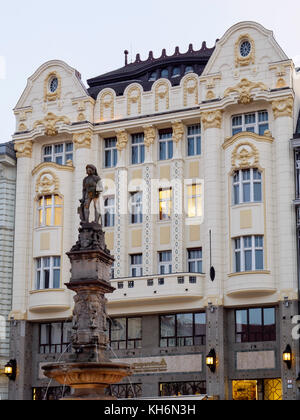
[
  {"x": 283, "y": 107},
  {"x": 243, "y": 89},
  {"x": 23, "y": 149},
  {"x": 211, "y": 119},
  {"x": 49, "y": 123}
]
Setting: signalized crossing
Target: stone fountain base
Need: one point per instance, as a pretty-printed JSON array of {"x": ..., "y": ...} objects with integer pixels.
[{"x": 87, "y": 379}]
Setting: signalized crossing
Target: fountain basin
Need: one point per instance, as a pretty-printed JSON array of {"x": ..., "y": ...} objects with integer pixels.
[{"x": 87, "y": 379}]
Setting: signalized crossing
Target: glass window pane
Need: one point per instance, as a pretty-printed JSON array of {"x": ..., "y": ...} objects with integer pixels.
[
  {"x": 56, "y": 279},
  {"x": 46, "y": 279},
  {"x": 118, "y": 329},
  {"x": 248, "y": 260},
  {"x": 48, "y": 212},
  {"x": 191, "y": 149},
  {"x": 236, "y": 194},
  {"x": 58, "y": 200},
  {"x": 200, "y": 324},
  {"x": 134, "y": 328},
  {"x": 259, "y": 260},
  {"x": 246, "y": 193},
  {"x": 185, "y": 325},
  {"x": 262, "y": 128},
  {"x": 59, "y": 160},
  {"x": 167, "y": 326},
  {"x": 241, "y": 320},
  {"x": 269, "y": 316},
  {"x": 58, "y": 216},
  {"x": 56, "y": 333},
  {"x": 237, "y": 261},
  {"x": 44, "y": 333},
  {"x": 170, "y": 149}
]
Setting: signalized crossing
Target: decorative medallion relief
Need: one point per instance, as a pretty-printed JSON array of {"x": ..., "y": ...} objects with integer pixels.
[
  {"x": 134, "y": 98},
  {"x": 244, "y": 89},
  {"x": 245, "y": 155},
  {"x": 283, "y": 107},
  {"x": 82, "y": 140},
  {"x": 107, "y": 105},
  {"x": 47, "y": 183},
  {"x": 190, "y": 88},
  {"x": 23, "y": 149},
  {"x": 211, "y": 119},
  {"x": 49, "y": 123},
  {"x": 162, "y": 95}
]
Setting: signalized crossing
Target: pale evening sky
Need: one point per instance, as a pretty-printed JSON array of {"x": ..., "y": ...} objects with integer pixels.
[{"x": 91, "y": 35}]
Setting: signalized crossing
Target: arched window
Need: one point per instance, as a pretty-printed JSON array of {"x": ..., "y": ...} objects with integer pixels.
[
  {"x": 50, "y": 210},
  {"x": 176, "y": 72},
  {"x": 152, "y": 77},
  {"x": 247, "y": 186},
  {"x": 165, "y": 73},
  {"x": 189, "y": 69}
]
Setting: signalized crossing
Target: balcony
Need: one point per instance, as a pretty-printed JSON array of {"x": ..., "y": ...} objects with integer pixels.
[
  {"x": 49, "y": 300},
  {"x": 168, "y": 288},
  {"x": 250, "y": 284}
]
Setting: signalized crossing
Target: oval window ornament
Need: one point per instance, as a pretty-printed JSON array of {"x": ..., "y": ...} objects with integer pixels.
[
  {"x": 245, "y": 48},
  {"x": 53, "y": 84},
  {"x": 212, "y": 273}
]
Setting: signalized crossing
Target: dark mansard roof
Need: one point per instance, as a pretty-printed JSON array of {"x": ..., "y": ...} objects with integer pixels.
[{"x": 172, "y": 67}]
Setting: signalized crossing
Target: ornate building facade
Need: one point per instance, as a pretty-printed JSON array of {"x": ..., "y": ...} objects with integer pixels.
[
  {"x": 7, "y": 215},
  {"x": 194, "y": 153}
]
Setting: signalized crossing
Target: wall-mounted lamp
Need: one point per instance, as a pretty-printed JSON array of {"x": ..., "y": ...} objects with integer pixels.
[
  {"x": 211, "y": 360},
  {"x": 10, "y": 369},
  {"x": 287, "y": 356}
]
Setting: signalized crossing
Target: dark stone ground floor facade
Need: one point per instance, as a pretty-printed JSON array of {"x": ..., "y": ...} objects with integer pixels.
[{"x": 245, "y": 369}]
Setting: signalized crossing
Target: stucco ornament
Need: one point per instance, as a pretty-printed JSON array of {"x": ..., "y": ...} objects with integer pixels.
[
  {"x": 245, "y": 155},
  {"x": 149, "y": 135},
  {"x": 211, "y": 119},
  {"x": 178, "y": 130},
  {"x": 244, "y": 89},
  {"x": 82, "y": 140},
  {"x": 283, "y": 107},
  {"x": 47, "y": 183},
  {"x": 49, "y": 123},
  {"x": 23, "y": 149},
  {"x": 122, "y": 139}
]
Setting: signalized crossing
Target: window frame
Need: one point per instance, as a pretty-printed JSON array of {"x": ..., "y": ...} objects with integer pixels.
[
  {"x": 63, "y": 346},
  {"x": 108, "y": 211},
  {"x": 165, "y": 144},
  {"x": 253, "y": 127},
  {"x": 137, "y": 342},
  {"x": 195, "y": 196},
  {"x": 248, "y": 332},
  {"x": 42, "y": 210},
  {"x": 168, "y": 201},
  {"x": 136, "y": 266},
  {"x": 195, "y": 139},
  {"x": 195, "y": 260},
  {"x": 243, "y": 250},
  {"x": 64, "y": 154},
  {"x": 139, "y": 146},
  {"x": 110, "y": 155},
  {"x": 239, "y": 185},
  {"x": 177, "y": 340},
  {"x": 162, "y": 264},
  {"x": 40, "y": 269}
]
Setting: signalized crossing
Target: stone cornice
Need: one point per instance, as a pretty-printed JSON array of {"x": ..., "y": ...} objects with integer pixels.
[
  {"x": 52, "y": 165},
  {"x": 229, "y": 141}
]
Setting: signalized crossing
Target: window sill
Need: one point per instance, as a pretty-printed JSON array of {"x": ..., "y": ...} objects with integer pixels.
[{"x": 243, "y": 273}]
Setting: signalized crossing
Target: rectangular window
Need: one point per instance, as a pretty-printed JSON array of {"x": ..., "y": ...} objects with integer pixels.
[
  {"x": 110, "y": 152},
  {"x": 55, "y": 337},
  {"x": 247, "y": 186},
  {"x": 136, "y": 265},
  {"x": 165, "y": 262},
  {"x": 136, "y": 206},
  {"x": 249, "y": 253},
  {"x": 165, "y": 144},
  {"x": 182, "y": 330},
  {"x": 58, "y": 153},
  {"x": 255, "y": 324},
  {"x": 194, "y": 200},
  {"x": 125, "y": 333},
  {"x": 137, "y": 148},
  {"x": 195, "y": 260},
  {"x": 194, "y": 140},
  {"x": 50, "y": 211},
  {"x": 165, "y": 203},
  {"x": 109, "y": 211},
  {"x": 47, "y": 274},
  {"x": 255, "y": 122}
]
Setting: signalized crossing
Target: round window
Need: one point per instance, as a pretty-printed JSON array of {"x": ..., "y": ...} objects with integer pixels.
[
  {"x": 53, "y": 85},
  {"x": 245, "y": 48}
]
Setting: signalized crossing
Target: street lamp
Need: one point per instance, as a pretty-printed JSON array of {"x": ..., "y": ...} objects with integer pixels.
[
  {"x": 287, "y": 356},
  {"x": 211, "y": 360},
  {"x": 10, "y": 369}
]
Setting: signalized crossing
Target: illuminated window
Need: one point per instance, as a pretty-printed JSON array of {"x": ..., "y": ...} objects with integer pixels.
[
  {"x": 165, "y": 203},
  {"x": 58, "y": 153},
  {"x": 194, "y": 200},
  {"x": 50, "y": 211},
  {"x": 47, "y": 273}
]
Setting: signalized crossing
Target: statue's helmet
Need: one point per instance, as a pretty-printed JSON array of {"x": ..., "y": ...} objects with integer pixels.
[{"x": 94, "y": 169}]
